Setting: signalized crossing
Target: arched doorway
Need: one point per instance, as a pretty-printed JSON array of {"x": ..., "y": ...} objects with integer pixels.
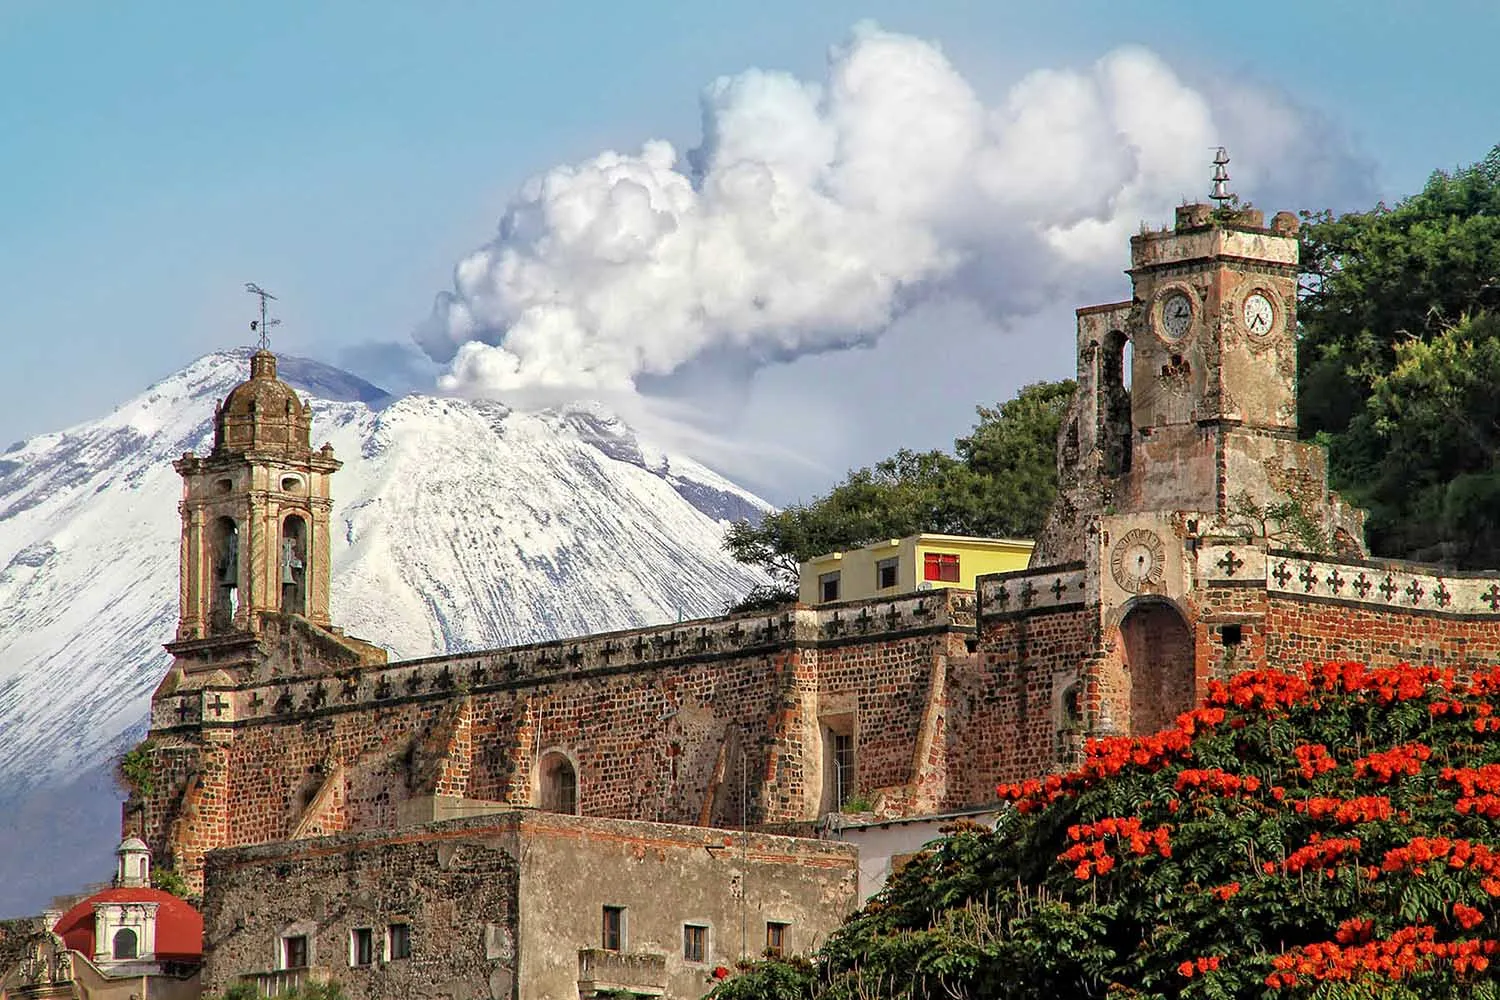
[
  {"x": 559, "y": 783},
  {"x": 1157, "y": 650}
]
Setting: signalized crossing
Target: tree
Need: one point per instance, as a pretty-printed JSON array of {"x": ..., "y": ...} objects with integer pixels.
[
  {"x": 1372, "y": 280},
  {"x": 1001, "y": 482},
  {"x": 1424, "y": 449},
  {"x": 1396, "y": 303},
  {"x": 1326, "y": 833}
]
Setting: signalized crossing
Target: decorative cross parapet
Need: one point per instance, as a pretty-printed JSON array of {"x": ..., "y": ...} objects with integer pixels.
[
  {"x": 1396, "y": 586},
  {"x": 520, "y": 666},
  {"x": 1029, "y": 590}
]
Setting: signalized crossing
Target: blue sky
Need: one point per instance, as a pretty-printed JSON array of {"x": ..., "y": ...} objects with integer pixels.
[{"x": 154, "y": 157}]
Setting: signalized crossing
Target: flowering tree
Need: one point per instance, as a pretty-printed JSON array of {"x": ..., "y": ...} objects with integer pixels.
[{"x": 1329, "y": 833}]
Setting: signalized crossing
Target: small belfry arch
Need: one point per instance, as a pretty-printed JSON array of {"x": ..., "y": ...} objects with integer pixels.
[
  {"x": 1158, "y": 661},
  {"x": 294, "y": 565},
  {"x": 226, "y": 573}
]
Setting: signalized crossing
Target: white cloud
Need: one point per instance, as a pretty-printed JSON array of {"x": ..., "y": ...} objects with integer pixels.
[{"x": 812, "y": 215}]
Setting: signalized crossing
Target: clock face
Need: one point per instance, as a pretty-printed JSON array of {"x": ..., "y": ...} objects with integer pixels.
[
  {"x": 1259, "y": 314},
  {"x": 1136, "y": 561},
  {"x": 1176, "y": 315}
]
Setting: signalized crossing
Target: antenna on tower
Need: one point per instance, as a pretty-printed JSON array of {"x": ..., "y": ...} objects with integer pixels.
[
  {"x": 1221, "y": 192},
  {"x": 262, "y": 325}
]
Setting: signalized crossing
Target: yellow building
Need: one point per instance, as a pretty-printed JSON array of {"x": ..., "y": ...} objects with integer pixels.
[{"x": 902, "y": 565}]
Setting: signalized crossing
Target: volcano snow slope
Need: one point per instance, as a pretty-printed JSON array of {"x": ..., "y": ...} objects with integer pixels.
[{"x": 458, "y": 525}]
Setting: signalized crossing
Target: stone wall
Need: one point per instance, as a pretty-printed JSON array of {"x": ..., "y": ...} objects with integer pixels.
[
  {"x": 458, "y": 896},
  {"x": 1020, "y": 714},
  {"x": 506, "y": 905},
  {"x": 717, "y": 722}
]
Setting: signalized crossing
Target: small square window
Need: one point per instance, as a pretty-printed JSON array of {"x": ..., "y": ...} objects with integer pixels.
[
  {"x": 398, "y": 941},
  {"x": 886, "y": 573},
  {"x": 362, "y": 946},
  {"x": 694, "y": 942},
  {"x": 613, "y": 937},
  {"x": 828, "y": 586},
  {"x": 776, "y": 938},
  {"x": 940, "y": 566},
  {"x": 1231, "y": 635},
  {"x": 294, "y": 952}
]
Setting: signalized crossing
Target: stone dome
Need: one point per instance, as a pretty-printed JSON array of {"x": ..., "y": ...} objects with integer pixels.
[{"x": 262, "y": 413}]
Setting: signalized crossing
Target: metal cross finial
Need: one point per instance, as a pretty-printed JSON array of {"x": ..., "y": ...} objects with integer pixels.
[
  {"x": 263, "y": 325},
  {"x": 1221, "y": 178}
]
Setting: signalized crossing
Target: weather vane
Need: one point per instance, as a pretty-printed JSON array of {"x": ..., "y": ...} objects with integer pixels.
[
  {"x": 262, "y": 325},
  {"x": 1221, "y": 178}
]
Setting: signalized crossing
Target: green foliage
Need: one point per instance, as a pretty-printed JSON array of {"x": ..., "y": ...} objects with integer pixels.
[
  {"x": 1000, "y": 483},
  {"x": 1286, "y": 523},
  {"x": 134, "y": 769},
  {"x": 790, "y": 978},
  {"x": 765, "y": 597},
  {"x": 168, "y": 880},
  {"x": 1398, "y": 349},
  {"x": 1241, "y": 870}
]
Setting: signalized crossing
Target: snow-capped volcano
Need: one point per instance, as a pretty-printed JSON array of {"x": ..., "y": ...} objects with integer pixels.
[{"x": 458, "y": 524}]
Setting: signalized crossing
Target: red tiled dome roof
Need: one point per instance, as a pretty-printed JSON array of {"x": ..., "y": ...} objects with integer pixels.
[{"x": 179, "y": 927}]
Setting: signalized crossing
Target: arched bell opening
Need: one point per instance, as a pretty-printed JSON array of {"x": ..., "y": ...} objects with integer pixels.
[
  {"x": 224, "y": 598},
  {"x": 294, "y": 565},
  {"x": 1158, "y": 654}
]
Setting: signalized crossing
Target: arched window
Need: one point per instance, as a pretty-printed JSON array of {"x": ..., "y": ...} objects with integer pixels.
[
  {"x": 226, "y": 567},
  {"x": 559, "y": 784},
  {"x": 294, "y": 565},
  {"x": 1114, "y": 403},
  {"x": 125, "y": 944}
]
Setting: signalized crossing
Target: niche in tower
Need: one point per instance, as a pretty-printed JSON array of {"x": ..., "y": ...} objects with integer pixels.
[
  {"x": 224, "y": 600},
  {"x": 1114, "y": 403},
  {"x": 1159, "y": 658},
  {"x": 294, "y": 565}
]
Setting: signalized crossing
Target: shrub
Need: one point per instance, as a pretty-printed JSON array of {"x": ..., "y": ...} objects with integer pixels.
[{"x": 1325, "y": 833}]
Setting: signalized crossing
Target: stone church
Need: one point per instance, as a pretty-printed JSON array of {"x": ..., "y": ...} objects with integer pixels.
[{"x": 1193, "y": 535}]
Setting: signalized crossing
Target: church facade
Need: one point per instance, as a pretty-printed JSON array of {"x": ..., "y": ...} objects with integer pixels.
[{"x": 1193, "y": 536}]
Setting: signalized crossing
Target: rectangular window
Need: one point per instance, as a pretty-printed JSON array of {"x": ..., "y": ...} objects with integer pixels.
[
  {"x": 886, "y": 573},
  {"x": 294, "y": 952},
  {"x": 694, "y": 942},
  {"x": 775, "y": 938},
  {"x": 362, "y": 946},
  {"x": 828, "y": 587},
  {"x": 940, "y": 566},
  {"x": 843, "y": 768},
  {"x": 613, "y": 938},
  {"x": 398, "y": 941}
]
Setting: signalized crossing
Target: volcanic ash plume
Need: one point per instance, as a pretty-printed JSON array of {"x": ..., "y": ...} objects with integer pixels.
[{"x": 811, "y": 215}]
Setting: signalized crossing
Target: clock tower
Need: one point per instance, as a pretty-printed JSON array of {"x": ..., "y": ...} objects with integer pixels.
[{"x": 1182, "y": 435}]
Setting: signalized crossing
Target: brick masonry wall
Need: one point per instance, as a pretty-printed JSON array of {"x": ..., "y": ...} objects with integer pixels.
[
  {"x": 712, "y": 736},
  {"x": 1298, "y": 631},
  {"x": 1003, "y": 718}
]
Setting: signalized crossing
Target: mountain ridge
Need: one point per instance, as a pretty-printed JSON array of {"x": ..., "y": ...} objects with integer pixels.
[{"x": 457, "y": 525}]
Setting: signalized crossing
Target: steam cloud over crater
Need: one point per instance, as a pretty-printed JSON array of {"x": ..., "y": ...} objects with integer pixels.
[{"x": 811, "y": 215}]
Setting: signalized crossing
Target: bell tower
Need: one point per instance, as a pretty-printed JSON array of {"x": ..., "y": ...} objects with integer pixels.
[{"x": 255, "y": 513}]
